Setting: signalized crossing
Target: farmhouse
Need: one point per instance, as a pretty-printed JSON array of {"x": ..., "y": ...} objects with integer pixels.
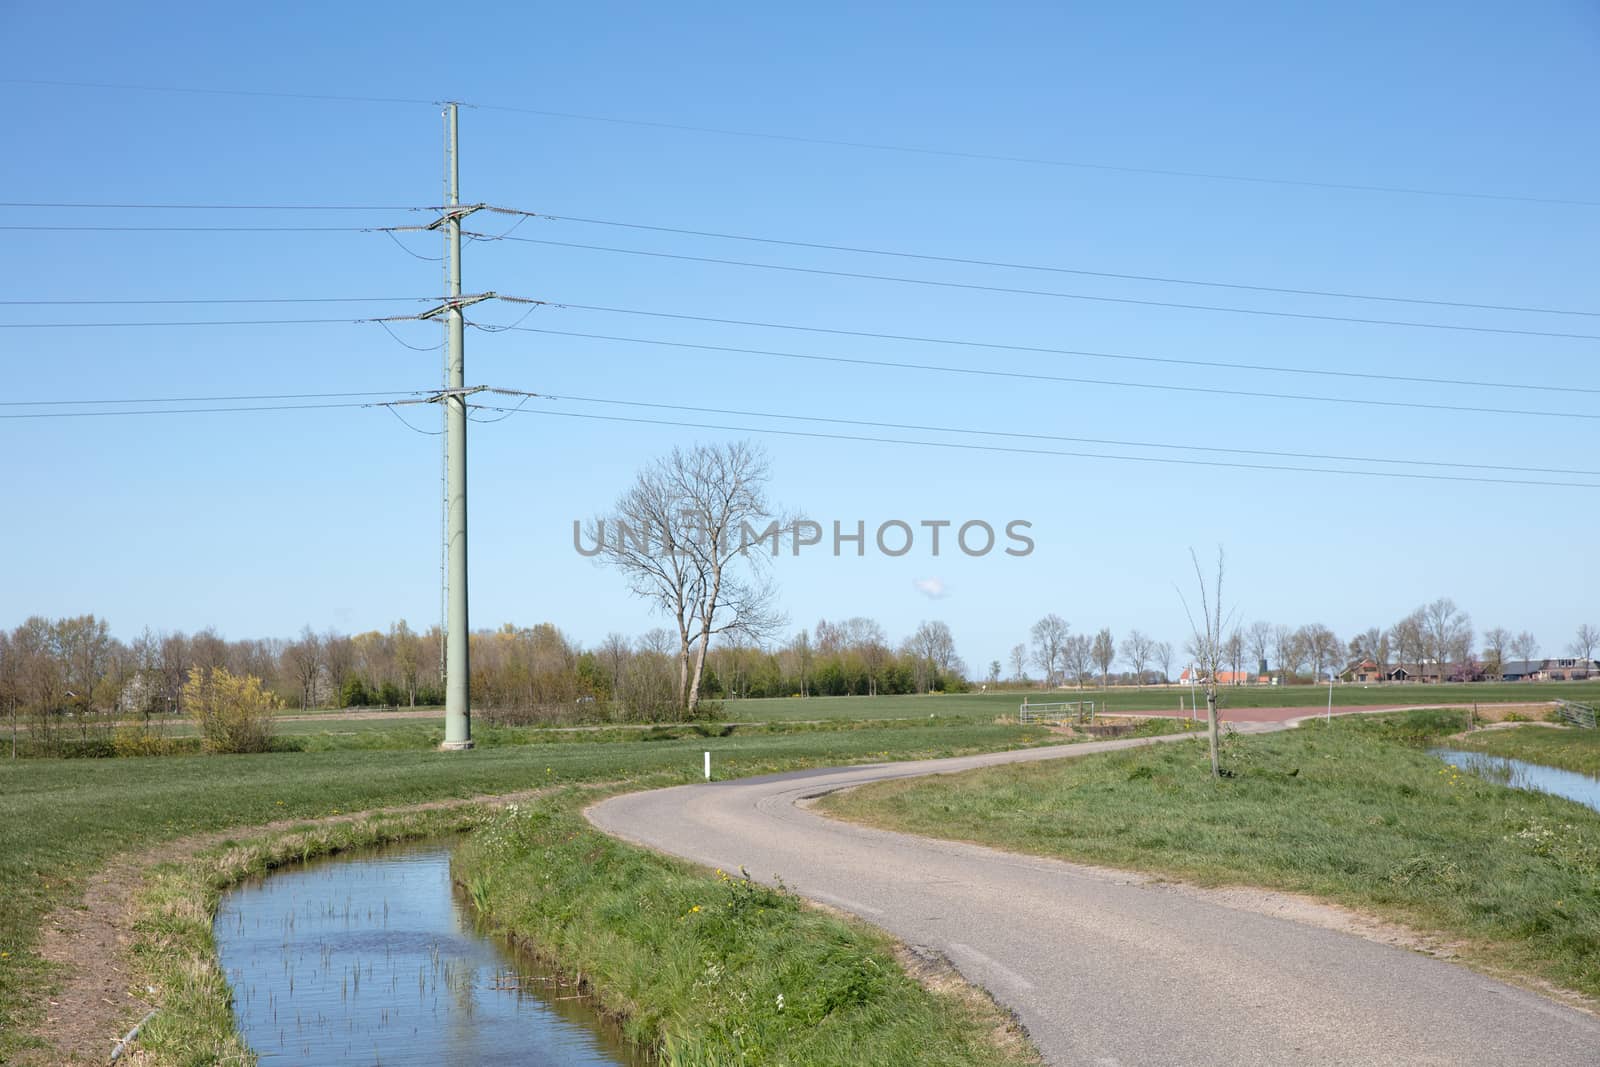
[
  {"x": 1365, "y": 671},
  {"x": 1549, "y": 670}
]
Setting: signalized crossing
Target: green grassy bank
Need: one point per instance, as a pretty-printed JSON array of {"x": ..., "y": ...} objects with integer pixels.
[
  {"x": 1569, "y": 749},
  {"x": 713, "y": 968},
  {"x": 1354, "y": 812}
]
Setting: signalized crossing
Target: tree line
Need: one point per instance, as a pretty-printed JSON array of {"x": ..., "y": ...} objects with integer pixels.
[
  {"x": 70, "y": 678},
  {"x": 1436, "y": 642}
]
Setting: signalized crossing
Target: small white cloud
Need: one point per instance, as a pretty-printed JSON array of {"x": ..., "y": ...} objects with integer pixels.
[{"x": 932, "y": 588}]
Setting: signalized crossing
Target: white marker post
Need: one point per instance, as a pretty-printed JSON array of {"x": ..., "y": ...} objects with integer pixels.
[
  {"x": 708, "y": 766},
  {"x": 1329, "y": 718}
]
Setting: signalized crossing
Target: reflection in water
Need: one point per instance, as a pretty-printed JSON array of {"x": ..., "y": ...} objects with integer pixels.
[
  {"x": 1519, "y": 774},
  {"x": 372, "y": 959}
]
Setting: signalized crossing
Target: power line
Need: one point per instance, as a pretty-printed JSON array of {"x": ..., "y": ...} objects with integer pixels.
[
  {"x": 401, "y": 245},
  {"x": 402, "y": 342},
  {"x": 1054, "y": 294},
  {"x": 211, "y": 399},
  {"x": 1064, "y": 379},
  {"x": 211, "y": 322},
  {"x": 1011, "y": 450},
  {"x": 1079, "y": 271},
  {"x": 176, "y": 411},
  {"x": 193, "y": 91},
  {"x": 192, "y": 229},
  {"x": 1044, "y": 350},
  {"x": 881, "y": 425},
  {"x": 946, "y": 153},
  {"x": 97, "y": 205},
  {"x": 414, "y": 429},
  {"x": 224, "y": 300}
]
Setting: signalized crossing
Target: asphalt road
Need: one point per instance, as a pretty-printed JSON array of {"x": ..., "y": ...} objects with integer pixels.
[{"x": 1102, "y": 967}]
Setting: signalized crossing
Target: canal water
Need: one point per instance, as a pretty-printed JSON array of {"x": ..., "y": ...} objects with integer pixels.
[
  {"x": 374, "y": 959},
  {"x": 1519, "y": 774}
]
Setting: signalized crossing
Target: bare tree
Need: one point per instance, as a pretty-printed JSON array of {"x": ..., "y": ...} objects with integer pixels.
[
  {"x": 1019, "y": 663},
  {"x": 1371, "y": 644},
  {"x": 1077, "y": 656},
  {"x": 207, "y": 650},
  {"x": 407, "y": 659},
  {"x": 85, "y": 646},
  {"x": 1138, "y": 649},
  {"x": 656, "y": 640},
  {"x": 1525, "y": 647},
  {"x": 1495, "y": 644},
  {"x": 1584, "y": 643},
  {"x": 694, "y": 535},
  {"x": 936, "y": 646},
  {"x": 1161, "y": 652},
  {"x": 1233, "y": 651},
  {"x": 304, "y": 660},
  {"x": 1409, "y": 644},
  {"x": 10, "y": 684},
  {"x": 1207, "y": 642},
  {"x": 174, "y": 671},
  {"x": 874, "y": 646},
  {"x": 1446, "y": 633},
  {"x": 1049, "y": 642},
  {"x": 613, "y": 655},
  {"x": 1283, "y": 648},
  {"x": 1320, "y": 648},
  {"x": 1104, "y": 653},
  {"x": 1259, "y": 640}
]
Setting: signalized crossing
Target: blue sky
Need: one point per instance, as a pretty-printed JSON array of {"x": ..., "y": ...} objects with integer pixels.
[{"x": 261, "y": 523}]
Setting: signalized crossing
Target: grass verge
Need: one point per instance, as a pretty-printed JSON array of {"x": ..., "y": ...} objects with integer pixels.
[
  {"x": 1353, "y": 812},
  {"x": 1567, "y": 748},
  {"x": 714, "y": 968},
  {"x": 62, "y": 819}
]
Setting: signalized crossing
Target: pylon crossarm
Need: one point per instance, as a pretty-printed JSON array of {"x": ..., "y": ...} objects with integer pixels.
[
  {"x": 456, "y": 303},
  {"x": 454, "y": 213}
]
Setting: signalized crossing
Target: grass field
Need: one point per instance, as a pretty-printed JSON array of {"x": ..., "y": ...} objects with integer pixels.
[
  {"x": 987, "y": 706},
  {"x": 1570, "y": 749},
  {"x": 1354, "y": 812},
  {"x": 61, "y": 819},
  {"x": 975, "y": 707}
]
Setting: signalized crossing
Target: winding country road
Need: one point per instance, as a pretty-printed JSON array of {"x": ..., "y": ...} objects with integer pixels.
[{"x": 1105, "y": 967}]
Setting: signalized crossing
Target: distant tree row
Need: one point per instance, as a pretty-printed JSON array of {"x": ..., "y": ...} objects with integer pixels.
[
  {"x": 71, "y": 679},
  {"x": 1433, "y": 643},
  {"x": 852, "y": 657},
  {"x": 1063, "y": 656}
]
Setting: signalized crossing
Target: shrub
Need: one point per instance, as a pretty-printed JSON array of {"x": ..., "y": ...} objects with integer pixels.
[
  {"x": 234, "y": 712},
  {"x": 143, "y": 741},
  {"x": 354, "y": 693}
]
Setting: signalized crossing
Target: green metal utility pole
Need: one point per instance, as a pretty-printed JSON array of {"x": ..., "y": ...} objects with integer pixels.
[
  {"x": 456, "y": 662},
  {"x": 458, "y": 670}
]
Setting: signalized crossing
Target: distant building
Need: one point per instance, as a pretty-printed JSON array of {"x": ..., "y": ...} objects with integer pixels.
[
  {"x": 1365, "y": 671},
  {"x": 1424, "y": 671},
  {"x": 1224, "y": 678},
  {"x": 1549, "y": 670}
]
